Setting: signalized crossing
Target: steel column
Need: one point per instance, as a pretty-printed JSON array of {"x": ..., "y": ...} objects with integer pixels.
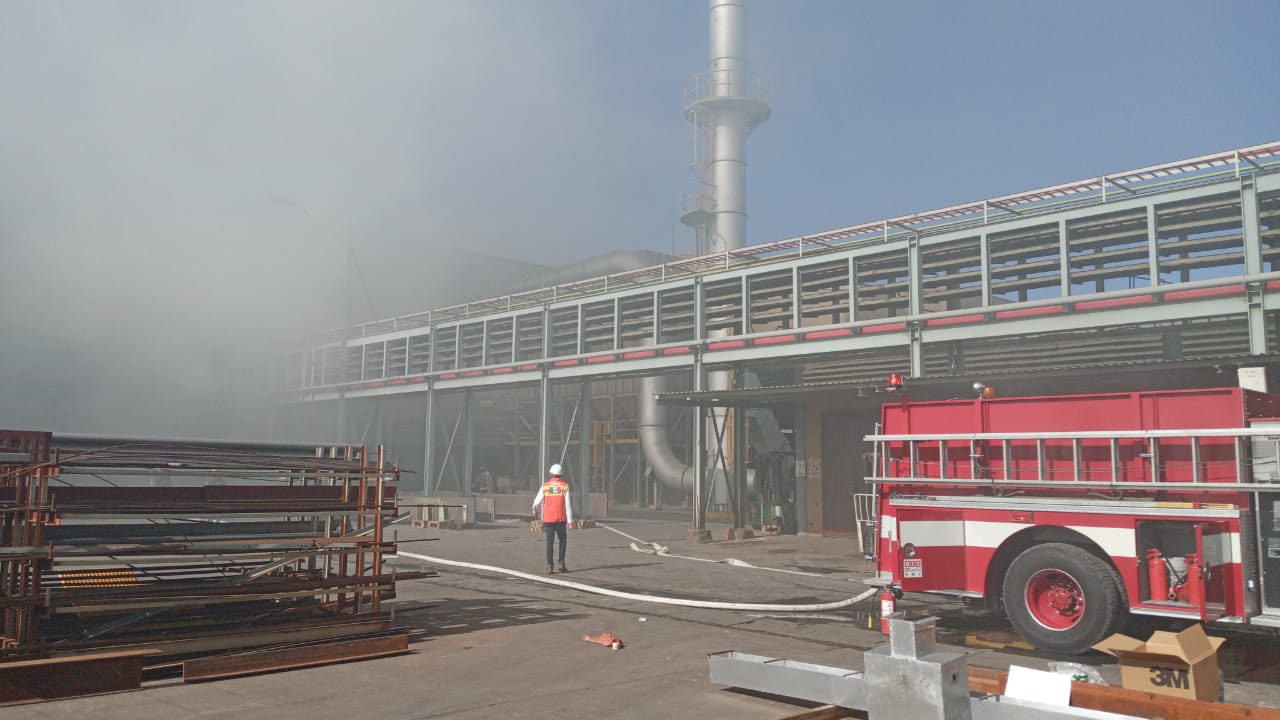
[
  {"x": 1064, "y": 258},
  {"x": 468, "y": 443},
  {"x": 584, "y": 450},
  {"x": 739, "y": 471},
  {"x": 1153, "y": 245},
  {"x": 1252, "y": 227},
  {"x": 984, "y": 258},
  {"x": 429, "y": 434},
  {"x": 544, "y": 417},
  {"x": 699, "y": 451},
  {"x": 853, "y": 289},
  {"x": 796, "y": 296}
]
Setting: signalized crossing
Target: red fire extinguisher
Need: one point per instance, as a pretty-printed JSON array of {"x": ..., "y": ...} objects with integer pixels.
[
  {"x": 1157, "y": 575},
  {"x": 1192, "y": 590},
  {"x": 888, "y": 605}
]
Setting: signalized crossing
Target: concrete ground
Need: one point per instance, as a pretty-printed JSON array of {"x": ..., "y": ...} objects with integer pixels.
[{"x": 496, "y": 646}]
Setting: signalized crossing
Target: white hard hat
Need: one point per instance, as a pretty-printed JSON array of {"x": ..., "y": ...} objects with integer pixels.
[{"x": 555, "y": 469}]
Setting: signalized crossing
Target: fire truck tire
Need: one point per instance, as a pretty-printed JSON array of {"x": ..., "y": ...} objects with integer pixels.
[{"x": 1063, "y": 598}]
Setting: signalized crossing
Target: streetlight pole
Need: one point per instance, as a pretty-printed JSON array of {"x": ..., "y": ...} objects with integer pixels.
[{"x": 344, "y": 354}]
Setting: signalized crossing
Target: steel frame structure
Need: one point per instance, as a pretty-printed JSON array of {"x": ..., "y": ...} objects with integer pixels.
[
  {"x": 1183, "y": 241},
  {"x": 1160, "y": 264}
]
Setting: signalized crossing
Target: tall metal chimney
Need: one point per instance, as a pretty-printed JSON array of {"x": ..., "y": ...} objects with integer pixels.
[{"x": 724, "y": 104}]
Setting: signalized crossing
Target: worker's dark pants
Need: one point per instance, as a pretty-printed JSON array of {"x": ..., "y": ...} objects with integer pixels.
[{"x": 554, "y": 530}]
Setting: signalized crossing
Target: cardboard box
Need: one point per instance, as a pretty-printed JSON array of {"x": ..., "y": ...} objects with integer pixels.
[{"x": 1183, "y": 664}]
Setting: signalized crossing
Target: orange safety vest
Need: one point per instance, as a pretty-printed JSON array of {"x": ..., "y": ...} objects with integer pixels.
[{"x": 554, "y": 493}]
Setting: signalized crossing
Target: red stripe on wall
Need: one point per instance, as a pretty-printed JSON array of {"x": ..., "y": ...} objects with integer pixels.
[
  {"x": 1114, "y": 303},
  {"x": 889, "y": 327},
  {"x": 676, "y": 351},
  {"x": 824, "y": 334},
  {"x": 527, "y": 368},
  {"x": 726, "y": 344},
  {"x": 959, "y": 320},
  {"x": 1029, "y": 312},
  {"x": 501, "y": 371},
  {"x": 1222, "y": 291},
  {"x": 638, "y": 354},
  {"x": 775, "y": 340},
  {"x": 564, "y": 363},
  {"x": 601, "y": 358}
]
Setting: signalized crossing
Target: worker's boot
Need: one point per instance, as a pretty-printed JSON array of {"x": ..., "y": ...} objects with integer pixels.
[
  {"x": 550, "y": 569},
  {"x": 562, "y": 567}
]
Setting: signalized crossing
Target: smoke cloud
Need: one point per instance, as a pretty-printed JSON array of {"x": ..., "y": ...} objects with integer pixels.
[{"x": 180, "y": 182}]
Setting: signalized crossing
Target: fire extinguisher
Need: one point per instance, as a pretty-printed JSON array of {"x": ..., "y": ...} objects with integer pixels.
[
  {"x": 1157, "y": 575},
  {"x": 1192, "y": 589},
  {"x": 888, "y": 605}
]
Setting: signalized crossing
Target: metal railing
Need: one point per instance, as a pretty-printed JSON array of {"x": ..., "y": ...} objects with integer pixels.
[
  {"x": 736, "y": 84},
  {"x": 1157, "y": 178}
]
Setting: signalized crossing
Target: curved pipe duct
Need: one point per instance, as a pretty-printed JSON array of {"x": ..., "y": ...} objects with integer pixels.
[
  {"x": 667, "y": 468},
  {"x": 670, "y": 470}
]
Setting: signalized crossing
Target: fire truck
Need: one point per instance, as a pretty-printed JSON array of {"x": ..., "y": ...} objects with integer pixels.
[{"x": 1076, "y": 512}]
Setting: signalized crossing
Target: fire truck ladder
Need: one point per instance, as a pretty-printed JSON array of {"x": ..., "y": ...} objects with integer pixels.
[{"x": 1226, "y": 459}]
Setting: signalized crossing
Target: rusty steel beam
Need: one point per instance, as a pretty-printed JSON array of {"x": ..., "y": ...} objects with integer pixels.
[
  {"x": 1126, "y": 701},
  {"x": 273, "y": 659},
  {"x": 27, "y": 681},
  {"x": 228, "y": 639}
]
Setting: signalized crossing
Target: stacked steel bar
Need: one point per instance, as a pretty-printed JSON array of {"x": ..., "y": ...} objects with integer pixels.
[{"x": 182, "y": 547}]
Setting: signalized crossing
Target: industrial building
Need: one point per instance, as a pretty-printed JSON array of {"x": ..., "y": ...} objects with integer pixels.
[
  {"x": 763, "y": 365},
  {"x": 1157, "y": 277}
]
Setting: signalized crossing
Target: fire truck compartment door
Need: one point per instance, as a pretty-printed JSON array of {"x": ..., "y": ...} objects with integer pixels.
[
  {"x": 938, "y": 539},
  {"x": 1214, "y": 542},
  {"x": 1269, "y": 531}
]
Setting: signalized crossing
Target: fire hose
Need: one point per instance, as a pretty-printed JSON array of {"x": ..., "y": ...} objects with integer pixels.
[{"x": 641, "y": 597}]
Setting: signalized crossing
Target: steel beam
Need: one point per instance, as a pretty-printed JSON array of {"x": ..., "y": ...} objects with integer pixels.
[
  {"x": 27, "y": 681},
  {"x": 909, "y": 678},
  {"x": 289, "y": 658}
]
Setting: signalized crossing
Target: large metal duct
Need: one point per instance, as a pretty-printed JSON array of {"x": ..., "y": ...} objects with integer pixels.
[
  {"x": 667, "y": 468},
  {"x": 671, "y": 470}
]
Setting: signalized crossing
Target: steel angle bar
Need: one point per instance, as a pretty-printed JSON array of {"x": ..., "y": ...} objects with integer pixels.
[
  {"x": 272, "y": 659},
  {"x": 848, "y": 689},
  {"x": 909, "y": 677},
  {"x": 789, "y": 678}
]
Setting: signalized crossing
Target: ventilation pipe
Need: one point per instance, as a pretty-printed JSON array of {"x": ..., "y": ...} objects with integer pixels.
[{"x": 667, "y": 468}]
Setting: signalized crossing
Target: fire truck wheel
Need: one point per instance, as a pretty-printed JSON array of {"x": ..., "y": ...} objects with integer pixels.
[{"x": 1063, "y": 598}]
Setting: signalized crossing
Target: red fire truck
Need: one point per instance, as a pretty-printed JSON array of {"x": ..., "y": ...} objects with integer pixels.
[{"x": 1074, "y": 512}]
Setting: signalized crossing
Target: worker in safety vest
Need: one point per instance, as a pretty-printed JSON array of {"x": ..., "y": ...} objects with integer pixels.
[{"x": 557, "y": 513}]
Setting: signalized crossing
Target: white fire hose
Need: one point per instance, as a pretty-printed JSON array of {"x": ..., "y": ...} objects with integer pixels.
[{"x": 640, "y": 597}]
